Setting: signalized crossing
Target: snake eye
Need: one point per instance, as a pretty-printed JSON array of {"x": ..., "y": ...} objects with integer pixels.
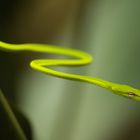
[{"x": 131, "y": 94}]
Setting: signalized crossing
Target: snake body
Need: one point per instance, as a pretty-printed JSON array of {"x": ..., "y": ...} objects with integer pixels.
[{"x": 78, "y": 58}]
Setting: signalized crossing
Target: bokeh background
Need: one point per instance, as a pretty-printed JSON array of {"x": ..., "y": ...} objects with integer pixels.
[{"x": 58, "y": 109}]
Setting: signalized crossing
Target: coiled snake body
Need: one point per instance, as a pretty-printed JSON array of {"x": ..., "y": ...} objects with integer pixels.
[{"x": 81, "y": 58}]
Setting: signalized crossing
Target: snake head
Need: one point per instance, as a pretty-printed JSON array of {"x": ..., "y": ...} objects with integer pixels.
[{"x": 126, "y": 91}]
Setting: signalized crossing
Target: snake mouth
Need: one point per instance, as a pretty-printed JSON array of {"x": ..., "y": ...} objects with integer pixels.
[
  {"x": 131, "y": 94},
  {"x": 134, "y": 96}
]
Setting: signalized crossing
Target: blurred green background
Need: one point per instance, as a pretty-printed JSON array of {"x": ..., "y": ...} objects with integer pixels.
[{"x": 59, "y": 109}]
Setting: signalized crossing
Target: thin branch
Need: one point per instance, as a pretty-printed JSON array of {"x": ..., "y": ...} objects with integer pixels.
[{"x": 11, "y": 117}]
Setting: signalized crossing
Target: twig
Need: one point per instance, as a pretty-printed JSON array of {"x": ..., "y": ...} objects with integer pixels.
[{"x": 11, "y": 117}]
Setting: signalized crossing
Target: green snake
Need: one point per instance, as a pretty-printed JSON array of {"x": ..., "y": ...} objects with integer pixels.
[{"x": 78, "y": 58}]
